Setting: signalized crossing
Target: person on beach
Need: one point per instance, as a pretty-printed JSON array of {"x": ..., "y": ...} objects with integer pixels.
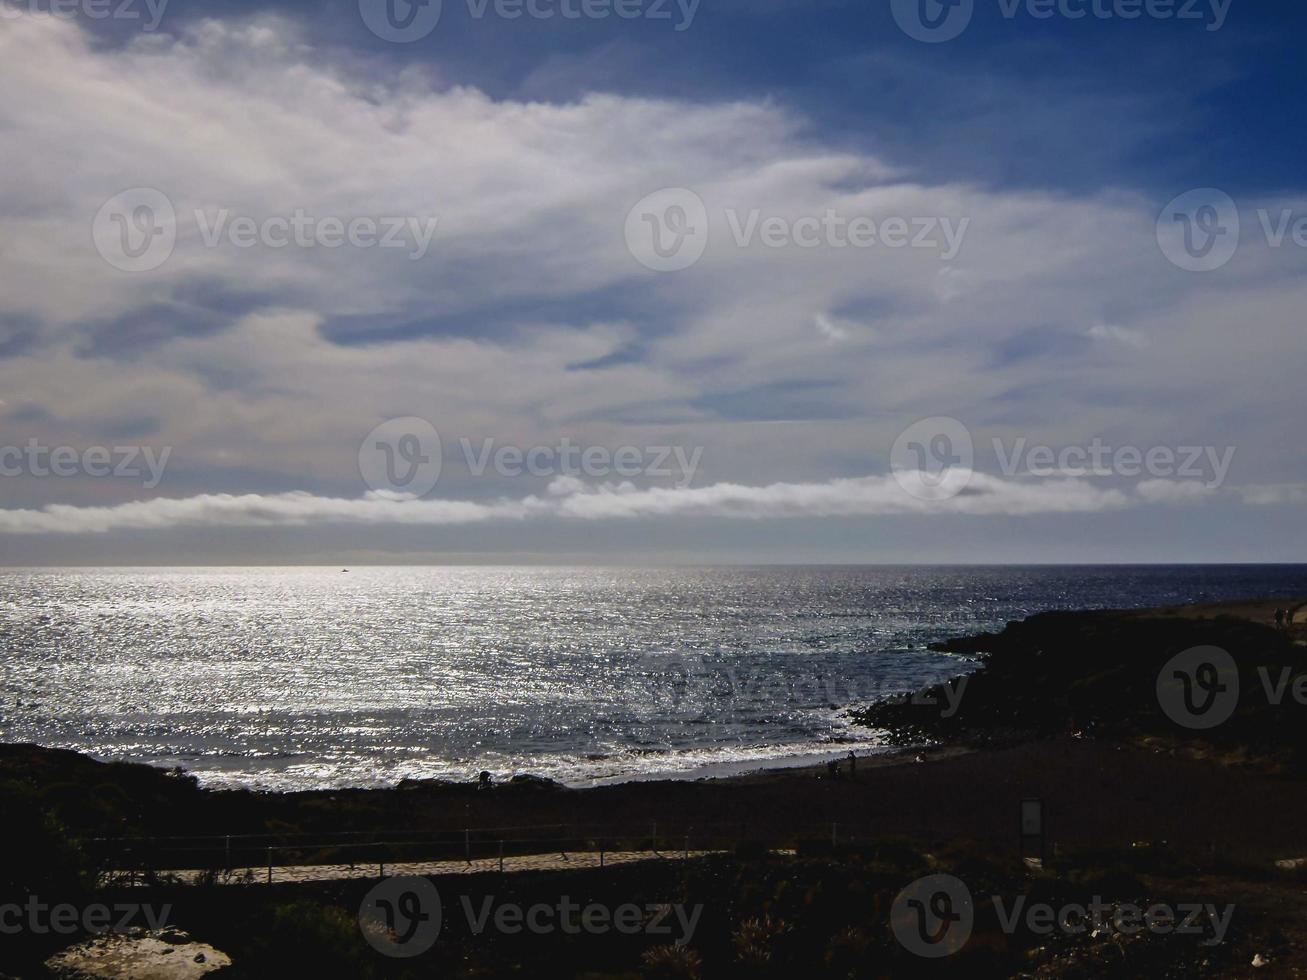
[
  {"x": 853, "y": 766},
  {"x": 1279, "y": 619}
]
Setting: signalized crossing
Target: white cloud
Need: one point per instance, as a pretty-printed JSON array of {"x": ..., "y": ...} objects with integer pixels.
[
  {"x": 1175, "y": 491},
  {"x": 833, "y": 328},
  {"x": 568, "y": 499},
  {"x": 1119, "y": 335},
  {"x": 1274, "y": 495}
]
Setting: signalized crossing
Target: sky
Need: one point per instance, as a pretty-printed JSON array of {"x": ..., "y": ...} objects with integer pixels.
[{"x": 648, "y": 281}]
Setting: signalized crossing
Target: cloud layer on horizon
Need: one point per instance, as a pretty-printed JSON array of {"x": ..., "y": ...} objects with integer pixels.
[{"x": 570, "y": 499}]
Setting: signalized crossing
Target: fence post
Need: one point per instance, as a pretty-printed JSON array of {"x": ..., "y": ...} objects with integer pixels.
[
  {"x": 601, "y": 855},
  {"x": 270, "y": 866},
  {"x": 467, "y": 845},
  {"x": 687, "y": 846},
  {"x": 229, "y": 852},
  {"x": 654, "y": 845},
  {"x": 501, "y": 857}
]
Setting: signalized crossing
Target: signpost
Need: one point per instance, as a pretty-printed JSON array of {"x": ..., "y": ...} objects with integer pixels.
[{"x": 1032, "y": 827}]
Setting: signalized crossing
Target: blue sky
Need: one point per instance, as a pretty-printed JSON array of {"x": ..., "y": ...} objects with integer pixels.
[
  {"x": 514, "y": 159},
  {"x": 1069, "y": 105}
]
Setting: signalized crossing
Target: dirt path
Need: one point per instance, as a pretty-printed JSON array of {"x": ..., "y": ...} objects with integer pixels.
[{"x": 339, "y": 872}]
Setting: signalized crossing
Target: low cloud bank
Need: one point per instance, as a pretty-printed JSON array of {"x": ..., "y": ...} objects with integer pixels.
[{"x": 569, "y": 499}]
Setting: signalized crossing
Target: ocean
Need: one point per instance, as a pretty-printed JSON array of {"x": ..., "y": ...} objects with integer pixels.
[{"x": 301, "y": 678}]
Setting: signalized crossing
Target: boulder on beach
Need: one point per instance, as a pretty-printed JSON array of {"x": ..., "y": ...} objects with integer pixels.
[
  {"x": 138, "y": 955},
  {"x": 527, "y": 780}
]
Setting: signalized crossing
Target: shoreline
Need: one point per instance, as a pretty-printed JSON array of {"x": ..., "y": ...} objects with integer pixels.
[
  {"x": 869, "y": 752},
  {"x": 914, "y": 732},
  {"x": 812, "y": 762}
]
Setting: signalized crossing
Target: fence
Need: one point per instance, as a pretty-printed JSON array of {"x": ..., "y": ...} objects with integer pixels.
[{"x": 134, "y": 860}]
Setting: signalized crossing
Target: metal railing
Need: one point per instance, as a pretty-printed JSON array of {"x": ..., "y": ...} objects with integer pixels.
[{"x": 135, "y": 860}]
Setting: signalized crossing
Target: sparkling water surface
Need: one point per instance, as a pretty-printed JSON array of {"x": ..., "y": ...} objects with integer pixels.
[{"x": 312, "y": 677}]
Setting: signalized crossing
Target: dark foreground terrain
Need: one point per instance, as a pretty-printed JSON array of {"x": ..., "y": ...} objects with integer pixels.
[{"x": 808, "y": 870}]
